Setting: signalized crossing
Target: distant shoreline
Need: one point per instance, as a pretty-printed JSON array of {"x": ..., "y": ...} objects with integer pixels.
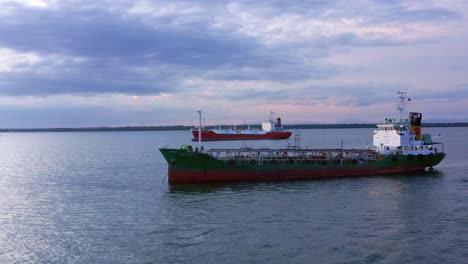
[{"x": 178, "y": 128}]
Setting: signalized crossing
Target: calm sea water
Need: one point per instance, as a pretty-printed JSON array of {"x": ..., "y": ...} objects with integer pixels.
[{"x": 103, "y": 198}]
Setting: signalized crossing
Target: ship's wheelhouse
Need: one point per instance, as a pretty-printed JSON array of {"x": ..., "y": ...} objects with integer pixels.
[{"x": 404, "y": 138}]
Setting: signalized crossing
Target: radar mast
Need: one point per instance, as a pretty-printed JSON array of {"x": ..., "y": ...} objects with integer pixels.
[{"x": 401, "y": 107}]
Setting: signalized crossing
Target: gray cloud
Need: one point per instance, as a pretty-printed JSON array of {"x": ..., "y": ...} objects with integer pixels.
[
  {"x": 116, "y": 49},
  {"x": 399, "y": 14},
  {"x": 124, "y": 53},
  {"x": 100, "y": 35},
  {"x": 381, "y": 11},
  {"x": 458, "y": 92}
]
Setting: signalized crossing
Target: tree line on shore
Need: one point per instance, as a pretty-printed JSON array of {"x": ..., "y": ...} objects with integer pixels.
[{"x": 180, "y": 127}]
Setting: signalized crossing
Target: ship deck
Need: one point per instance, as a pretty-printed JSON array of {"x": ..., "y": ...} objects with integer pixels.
[{"x": 289, "y": 156}]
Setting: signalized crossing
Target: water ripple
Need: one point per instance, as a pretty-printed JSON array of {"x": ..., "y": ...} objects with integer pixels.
[{"x": 101, "y": 198}]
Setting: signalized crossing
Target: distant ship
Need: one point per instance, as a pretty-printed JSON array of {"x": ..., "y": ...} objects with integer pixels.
[
  {"x": 399, "y": 147},
  {"x": 271, "y": 129}
]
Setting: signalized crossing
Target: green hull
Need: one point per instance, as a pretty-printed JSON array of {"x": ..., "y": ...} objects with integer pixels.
[{"x": 188, "y": 166}]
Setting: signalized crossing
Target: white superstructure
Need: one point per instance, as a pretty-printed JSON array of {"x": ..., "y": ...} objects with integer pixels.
[
  {"x": 402, "y": 136},
  {"x": 272, "y": 124}
]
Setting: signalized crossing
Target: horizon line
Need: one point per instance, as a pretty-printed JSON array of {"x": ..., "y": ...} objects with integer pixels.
[{"x": 183, "y": 127}]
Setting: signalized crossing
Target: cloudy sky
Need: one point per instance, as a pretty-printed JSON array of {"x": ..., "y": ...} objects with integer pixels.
[{"x": 140, "y": 62}]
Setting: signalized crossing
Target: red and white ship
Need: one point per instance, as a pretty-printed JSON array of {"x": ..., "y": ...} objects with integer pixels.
[{"x": 271, "y": 129}]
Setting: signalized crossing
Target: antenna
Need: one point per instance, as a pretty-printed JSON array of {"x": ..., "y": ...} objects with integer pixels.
[{"x": 272, "y": 115}]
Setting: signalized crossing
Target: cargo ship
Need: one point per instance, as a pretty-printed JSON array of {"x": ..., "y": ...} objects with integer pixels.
[
  {"x": 398, "y": 147},
  {"x": 271, "y": 129}
]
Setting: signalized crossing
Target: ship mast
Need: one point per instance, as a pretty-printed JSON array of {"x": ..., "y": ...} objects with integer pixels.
[
  {"x": 401, "y": 108},
  {"x": 199, "y": 127}
]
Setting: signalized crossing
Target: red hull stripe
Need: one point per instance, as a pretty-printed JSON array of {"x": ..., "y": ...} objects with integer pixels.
[{"x": 177, "y": 176}]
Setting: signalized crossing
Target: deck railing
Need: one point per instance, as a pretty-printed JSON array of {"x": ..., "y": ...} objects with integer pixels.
[{"x": 250, "y": 157}]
